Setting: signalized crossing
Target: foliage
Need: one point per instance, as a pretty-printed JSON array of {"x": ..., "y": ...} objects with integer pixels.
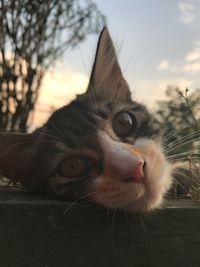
[
  {"x": 179, "y": 117},
  {"x": 33, "y": 34}
]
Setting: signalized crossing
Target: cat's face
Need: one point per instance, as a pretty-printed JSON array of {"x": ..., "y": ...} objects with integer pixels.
[
  {"x": 108, "y": 154},
  {"x": 102, "y": 146}
]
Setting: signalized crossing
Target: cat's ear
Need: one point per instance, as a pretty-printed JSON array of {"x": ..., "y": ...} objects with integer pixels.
[{"x": 107, "y": 81}]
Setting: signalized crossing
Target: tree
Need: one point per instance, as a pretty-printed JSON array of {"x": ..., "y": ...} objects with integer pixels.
[{"x": 33, "y": 34}]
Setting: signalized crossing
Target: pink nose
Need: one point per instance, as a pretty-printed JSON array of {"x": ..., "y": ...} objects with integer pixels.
[{"x": 137, "y": 174}]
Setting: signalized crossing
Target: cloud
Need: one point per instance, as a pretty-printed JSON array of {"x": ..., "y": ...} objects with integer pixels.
[
  {"x": 187, "y": 12},
  {"x": 194, "y": 54},
  {"x": 58, "y": 88},
  {"x": 189, "y": 65},
  {"x": 150, "y": 91},
  {"x": 191, "y": 68},
  {"x": 164, "y": 65}
]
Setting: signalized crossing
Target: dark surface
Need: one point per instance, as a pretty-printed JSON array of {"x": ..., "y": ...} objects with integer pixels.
[{"x": 36, "y": 232}]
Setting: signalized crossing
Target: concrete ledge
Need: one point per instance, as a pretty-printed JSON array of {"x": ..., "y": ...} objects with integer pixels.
[{"x": 36, "y": 232}]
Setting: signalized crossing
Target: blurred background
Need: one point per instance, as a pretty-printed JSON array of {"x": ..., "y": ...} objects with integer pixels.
[{"x": 158, "y": 43}]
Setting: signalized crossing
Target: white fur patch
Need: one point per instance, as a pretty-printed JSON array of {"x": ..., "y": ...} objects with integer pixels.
[{"x": 113, "y": 191}]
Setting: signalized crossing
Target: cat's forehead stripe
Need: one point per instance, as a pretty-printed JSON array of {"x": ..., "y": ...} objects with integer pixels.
[{"x": 74, "y": 122}]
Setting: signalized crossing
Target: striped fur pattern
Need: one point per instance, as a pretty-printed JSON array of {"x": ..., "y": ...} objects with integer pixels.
[{"x": 102, "y": 146}]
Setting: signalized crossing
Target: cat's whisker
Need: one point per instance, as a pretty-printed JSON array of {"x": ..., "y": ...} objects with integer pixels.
[
  {"x": 168, "y": 145},
  {"x": 107, "y": 213},
  {"x": 190, "y": 135},
  {"x": 180, "y": 184},
  {"x": 167, "y": 142},
  {"x": 180, "y": 145},
  {"x": 88, "y": 195},
  {"x": 173, "y": 133},
  {"x": 192, "y": 153},
  {"x": 113, "y": 220},
  {"x": 188, "y": 176},
  {"x": 167, "y": 195},
  {"x": 127, "y": 220},
  {"x": 77, "y": 201},
  {"x": 184, "y": 138},
  {"x": 142, "y": 223},
  {"x": 168, "y": 136}
]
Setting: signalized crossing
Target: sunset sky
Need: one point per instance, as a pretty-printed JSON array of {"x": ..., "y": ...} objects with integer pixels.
[{"x": 159, "y": 43}]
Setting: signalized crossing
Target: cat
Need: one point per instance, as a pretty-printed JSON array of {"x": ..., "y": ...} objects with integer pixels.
[{"x": 102, "y": 147}]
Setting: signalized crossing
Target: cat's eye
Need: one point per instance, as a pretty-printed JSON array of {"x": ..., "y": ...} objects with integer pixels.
[
  {"x": 75, "y": 166},
  {"x": 124, "y": 124}
]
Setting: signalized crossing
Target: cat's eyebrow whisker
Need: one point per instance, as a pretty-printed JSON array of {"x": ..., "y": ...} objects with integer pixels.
[
  {"x": 57, "y": 129},
  {"x": 83, "y": 59},
  {"x": 17, "y": 143},
  {"x": 94, "y": 100},
  {"x": 30, "y": 142},
  {"x": 49, "y": 135},
  {"x": 90, "y": 98}
]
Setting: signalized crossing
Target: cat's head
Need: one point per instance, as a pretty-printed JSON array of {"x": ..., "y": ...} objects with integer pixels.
[{"x": 102, "y": 146}]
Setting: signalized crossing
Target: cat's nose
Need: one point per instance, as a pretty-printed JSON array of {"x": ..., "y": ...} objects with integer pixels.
[
  {"x": 137, "y": 173},
  {"x": 122, "y": 161}
]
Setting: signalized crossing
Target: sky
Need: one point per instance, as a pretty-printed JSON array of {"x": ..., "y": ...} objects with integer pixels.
[{"x": 158, "y": 44}]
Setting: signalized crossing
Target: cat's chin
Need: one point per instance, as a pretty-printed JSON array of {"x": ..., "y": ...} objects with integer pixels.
[{"x": 140, "y": 198}]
